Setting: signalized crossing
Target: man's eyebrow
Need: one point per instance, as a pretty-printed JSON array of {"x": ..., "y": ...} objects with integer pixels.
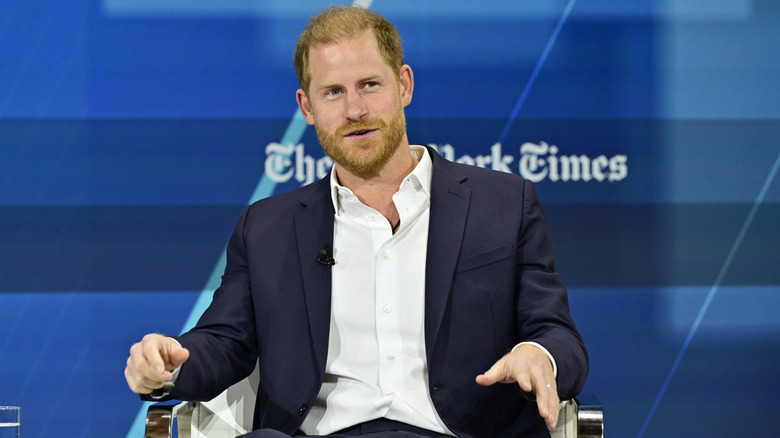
[
  {"x": 368, "y": 77},
  {"x": 327, "y": 85},
  {"x": 374, "y": 75}
]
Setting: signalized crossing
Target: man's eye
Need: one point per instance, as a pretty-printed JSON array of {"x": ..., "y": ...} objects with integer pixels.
[
  {"x": 371, "y": 84},
  {"x": 334, "y": 92}
]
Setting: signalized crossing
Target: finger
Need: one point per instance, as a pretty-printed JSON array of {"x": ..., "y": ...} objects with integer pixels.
[
  {"x": 547, "y": 399},
  {"x": 553, "y": 406},
  {"x": 138, "y": 375},
  {"x": 132, "y": 378},
  {"x": 172, "y": 353},
  {"x": 518, "y": 370},
  {"x": 140, "y": 384},
  {"x": 152, "y": 348},
  {"x": 177, "y": 357},
  {"x": 523, "y": 380},
  {"x": 496, "y": 373},
  {"x": 138, "y": 366}
]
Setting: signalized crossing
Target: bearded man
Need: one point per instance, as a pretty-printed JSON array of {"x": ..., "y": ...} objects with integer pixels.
[{"x": 437, "y": 312}]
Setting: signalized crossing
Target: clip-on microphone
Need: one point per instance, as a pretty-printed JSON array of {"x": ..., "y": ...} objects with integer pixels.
[{"x": 324, "y": 257}]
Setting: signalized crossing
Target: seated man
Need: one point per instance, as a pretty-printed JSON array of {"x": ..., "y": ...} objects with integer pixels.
[{"x": 439, "y": 285}]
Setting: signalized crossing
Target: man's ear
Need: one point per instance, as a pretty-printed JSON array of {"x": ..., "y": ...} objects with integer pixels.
[
  {"x": 305, "y": 106},
  {"x": 406, "y": 84}
]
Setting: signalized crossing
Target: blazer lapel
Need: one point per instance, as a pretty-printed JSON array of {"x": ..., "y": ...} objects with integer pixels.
[
  {"x": 450, "y": 201},
  {"x": 313, "y": 229}
]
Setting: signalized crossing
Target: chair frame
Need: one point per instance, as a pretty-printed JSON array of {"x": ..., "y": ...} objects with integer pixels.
[{"x": 581, "y": 417}]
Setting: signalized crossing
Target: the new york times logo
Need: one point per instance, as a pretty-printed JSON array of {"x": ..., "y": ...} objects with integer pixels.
[
  {"x": 284, "y": 162},
  {"x": 538, "y": 162}
]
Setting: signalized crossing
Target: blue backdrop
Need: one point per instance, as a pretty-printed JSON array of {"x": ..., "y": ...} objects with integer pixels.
[{"x": 132, "y": 133}]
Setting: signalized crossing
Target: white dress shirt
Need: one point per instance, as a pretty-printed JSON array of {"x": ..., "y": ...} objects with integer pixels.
[{"x": 376, "y": 364}]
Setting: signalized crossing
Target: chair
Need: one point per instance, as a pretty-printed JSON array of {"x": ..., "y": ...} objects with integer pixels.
[{"x": 230, "y": 414}]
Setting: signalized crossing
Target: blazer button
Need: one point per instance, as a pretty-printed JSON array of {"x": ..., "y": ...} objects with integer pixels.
[{"x": 302, "y": 410}]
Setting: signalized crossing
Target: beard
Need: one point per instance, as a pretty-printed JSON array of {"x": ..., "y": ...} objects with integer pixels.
[{"x": 365, "y": 158}]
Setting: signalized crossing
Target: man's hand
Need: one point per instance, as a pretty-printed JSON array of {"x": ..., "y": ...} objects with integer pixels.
[
  {"x": 151, "y": 362},
  {"x": 530, "y": 367}
]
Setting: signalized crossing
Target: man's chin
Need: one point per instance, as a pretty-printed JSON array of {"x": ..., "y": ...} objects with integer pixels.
[{"x": 363, "y": 167}]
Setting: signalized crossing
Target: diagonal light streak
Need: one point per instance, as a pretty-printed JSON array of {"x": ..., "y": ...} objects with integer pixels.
[
  {"x": 64, "y": 71},
  {"x": 537, "y": 69},
  {"x": 264, "y": 189},
  {"x": 711, "y": 295}
]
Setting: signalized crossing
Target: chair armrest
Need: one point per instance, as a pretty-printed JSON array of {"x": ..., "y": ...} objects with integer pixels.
[
  {"x": 587, "y": 411},
  {"x": 590, "y": 417},
  {"x": 581, "y": 417},
  {"x": 160, "y": 416}
]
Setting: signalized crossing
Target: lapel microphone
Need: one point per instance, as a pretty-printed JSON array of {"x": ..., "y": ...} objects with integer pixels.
[{"x": 324, "y": 257}]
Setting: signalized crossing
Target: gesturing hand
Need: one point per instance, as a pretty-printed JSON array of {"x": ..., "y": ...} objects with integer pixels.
[
  {"x": 530, "y": 367},
  {"x": 151, "y": 362}
]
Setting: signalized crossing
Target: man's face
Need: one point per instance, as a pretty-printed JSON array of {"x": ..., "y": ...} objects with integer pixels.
[{"x": 356, "y": 104}]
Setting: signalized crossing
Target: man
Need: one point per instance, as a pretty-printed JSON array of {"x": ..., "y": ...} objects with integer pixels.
[{"x": 438, "y": 311}]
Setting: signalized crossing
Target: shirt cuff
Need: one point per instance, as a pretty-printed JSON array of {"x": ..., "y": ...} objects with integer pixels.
[{"x": 552, "y": 360}]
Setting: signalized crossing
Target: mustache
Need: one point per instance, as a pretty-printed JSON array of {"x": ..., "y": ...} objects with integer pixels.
[{"x": 360, "y": 126}]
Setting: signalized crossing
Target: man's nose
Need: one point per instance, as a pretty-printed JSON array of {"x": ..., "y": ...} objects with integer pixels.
[{"x": 355, "y": 106}]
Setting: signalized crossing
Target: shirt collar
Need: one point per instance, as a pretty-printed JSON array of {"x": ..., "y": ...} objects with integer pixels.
[{"x": 419, "y": 179}]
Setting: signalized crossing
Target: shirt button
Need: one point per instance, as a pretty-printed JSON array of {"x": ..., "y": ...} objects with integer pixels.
[
  {"x": 387, "y": 309},
  {"x": 391, "y": 357},
  {"x": 372, "y": 217},
  {"x": 386, "y": 256}
]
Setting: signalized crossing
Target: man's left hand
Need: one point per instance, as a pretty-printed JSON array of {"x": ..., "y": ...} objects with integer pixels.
[{"x": 530, "y": 367}]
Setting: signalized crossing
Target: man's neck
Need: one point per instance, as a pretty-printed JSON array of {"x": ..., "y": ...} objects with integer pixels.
[{"x": 376, "y": 191}]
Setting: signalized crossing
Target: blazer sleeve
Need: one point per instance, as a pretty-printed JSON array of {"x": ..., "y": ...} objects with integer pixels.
[{"x": 543, "y": 307}]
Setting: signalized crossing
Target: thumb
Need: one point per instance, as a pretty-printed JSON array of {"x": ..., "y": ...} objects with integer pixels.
[
  {"x": 496, "y": 373},
  {"x": 178, "y": 357}
]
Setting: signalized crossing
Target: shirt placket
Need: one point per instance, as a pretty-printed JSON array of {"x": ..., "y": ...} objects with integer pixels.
[{"x": 387, "y": 314}]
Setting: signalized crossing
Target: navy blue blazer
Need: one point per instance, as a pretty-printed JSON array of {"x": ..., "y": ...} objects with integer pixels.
[{"x": 490, "y": 284}]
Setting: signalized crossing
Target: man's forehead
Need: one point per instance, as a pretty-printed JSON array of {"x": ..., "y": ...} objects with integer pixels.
[
  {"x": 348, "y": 55},
  {"x": 366, "y": 37}
]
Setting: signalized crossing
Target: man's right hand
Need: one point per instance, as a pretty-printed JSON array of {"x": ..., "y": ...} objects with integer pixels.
[{"x": 151, "y": 362}]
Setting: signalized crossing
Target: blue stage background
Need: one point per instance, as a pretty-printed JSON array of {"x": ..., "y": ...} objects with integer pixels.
[{"x": 132, "y": 133}]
